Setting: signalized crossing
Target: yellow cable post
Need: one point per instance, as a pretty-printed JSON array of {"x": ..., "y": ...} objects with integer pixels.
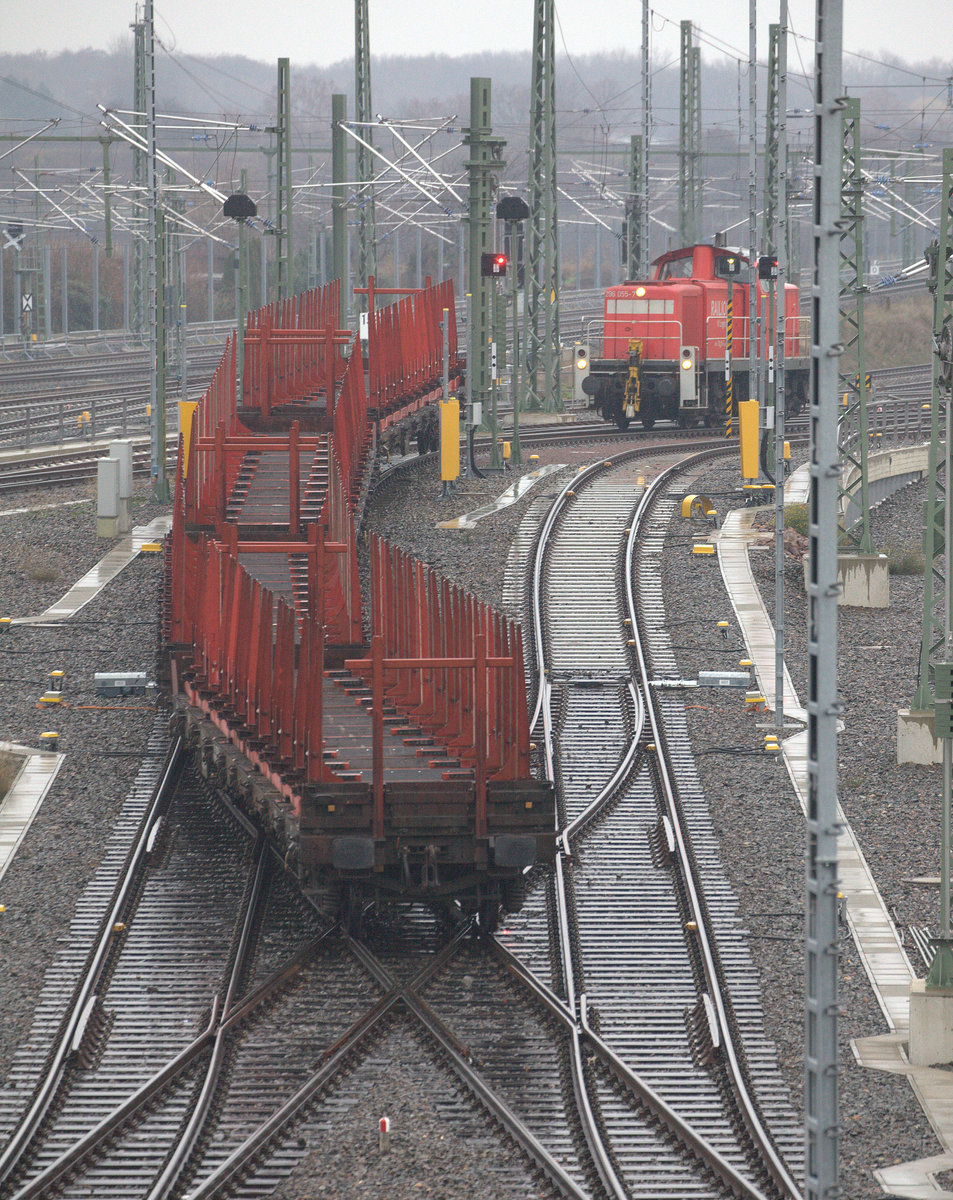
[
  {"x": 449, "y": 439},
  {"x": 186, "y": 416},
  {"x": 748, "y": 438}
]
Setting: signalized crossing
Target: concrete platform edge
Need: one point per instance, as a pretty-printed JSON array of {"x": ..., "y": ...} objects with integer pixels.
[{"x": 884, "y": 959}]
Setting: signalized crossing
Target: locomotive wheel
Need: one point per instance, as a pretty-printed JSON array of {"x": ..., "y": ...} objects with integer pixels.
[
  {"x": 622, "y": 421},
  {"x": 648, "y": 422}
]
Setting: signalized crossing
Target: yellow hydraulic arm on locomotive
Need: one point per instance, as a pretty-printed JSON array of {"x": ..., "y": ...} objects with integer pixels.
[{"x": 632, "y": 384}]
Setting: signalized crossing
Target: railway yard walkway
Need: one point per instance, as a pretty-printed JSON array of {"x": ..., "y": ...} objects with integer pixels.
[
  {"x": 38, "y": 770},
  {"x": 875, "y": 934}
]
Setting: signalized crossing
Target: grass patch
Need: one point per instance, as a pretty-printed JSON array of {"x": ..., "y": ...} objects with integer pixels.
[
  {"x": 897, "y": 332},
  {"x": 905, "y": 560},
  {"x": 40, "y": 570},
  {"x": 795, "y": 517}
]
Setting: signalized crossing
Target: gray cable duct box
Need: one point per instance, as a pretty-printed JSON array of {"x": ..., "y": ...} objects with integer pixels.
[
  {"x": 120, "y": 683},
  {"x": 122, "y": 452},
  {"x": 738, "y": 679}
]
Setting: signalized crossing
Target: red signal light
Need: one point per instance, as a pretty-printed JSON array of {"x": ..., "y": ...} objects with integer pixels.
[{"x": 492, "y": 264}]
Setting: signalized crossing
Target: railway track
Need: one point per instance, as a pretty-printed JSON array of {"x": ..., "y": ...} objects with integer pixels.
[
  {"x": 229, "y": 1023},
  {"x": 594, "y": 1109},
  {"x": 214, "y": 1014},
  {"x": 46, "y": 449},
  {"x": 631, "y": 939},
  {"x": 88, "y": 399}
]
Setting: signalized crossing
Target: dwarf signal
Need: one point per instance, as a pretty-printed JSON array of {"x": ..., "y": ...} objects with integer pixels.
[
  {"x": 580, "y": 369},
  {"x": 687, "y": 379}
]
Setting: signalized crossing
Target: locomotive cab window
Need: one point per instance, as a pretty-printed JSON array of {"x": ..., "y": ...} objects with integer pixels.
[{"x": 678, "y": 268}]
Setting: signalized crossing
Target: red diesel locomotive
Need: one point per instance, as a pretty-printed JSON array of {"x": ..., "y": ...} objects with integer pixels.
[{"x": 665, "y": 341}]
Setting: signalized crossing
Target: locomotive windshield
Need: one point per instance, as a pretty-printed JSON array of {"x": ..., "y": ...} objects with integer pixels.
[{"x": 676, "y": 268}]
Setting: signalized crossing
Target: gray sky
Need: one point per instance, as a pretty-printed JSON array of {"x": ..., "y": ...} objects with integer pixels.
[{"x": 309, "y": 33}]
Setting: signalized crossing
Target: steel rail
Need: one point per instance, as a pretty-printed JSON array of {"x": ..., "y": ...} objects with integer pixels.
[
  {"x": 599, "y": 1154},
  {"x": 80, "y": 457},
  {"x": 336, "y": 1058},
  {"x": 75, "y": 465},
  {"x": 642, "y": 1091},
  {"x": 227, "y": 1021},
  {"x": 189, "y": 1136},
  {"x": 69, "y": 1036},
  {"x": 537, "y": 588},
  {"x": 618, "y": 777},
  {"x": 576, "y": 1005},
  {"x": 462, "y": 1067},
  {"x": 694, "y": 895},
  {"x": 406, "y": 995}
]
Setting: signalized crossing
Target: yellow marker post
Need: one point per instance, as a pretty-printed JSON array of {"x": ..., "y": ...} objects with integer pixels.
[
  {"x": 449, "y": 439},
  {"x": 748, "y": 438},
  {"x": 186, "y": 417}
]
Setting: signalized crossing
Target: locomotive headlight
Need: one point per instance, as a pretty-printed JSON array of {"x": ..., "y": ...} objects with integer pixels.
[{"x": 640, "y": 292}]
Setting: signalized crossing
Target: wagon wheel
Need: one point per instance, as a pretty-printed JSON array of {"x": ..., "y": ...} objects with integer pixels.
[
  {"x": 489, "y": 916},
  {"x": 514, "y": 893},
  {"x": 352, "y": 910}
]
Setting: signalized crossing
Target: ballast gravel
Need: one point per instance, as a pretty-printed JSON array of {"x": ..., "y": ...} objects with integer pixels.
[
  {"x": 43, "y": 551},
  {"x": 894, "y": 810}
]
